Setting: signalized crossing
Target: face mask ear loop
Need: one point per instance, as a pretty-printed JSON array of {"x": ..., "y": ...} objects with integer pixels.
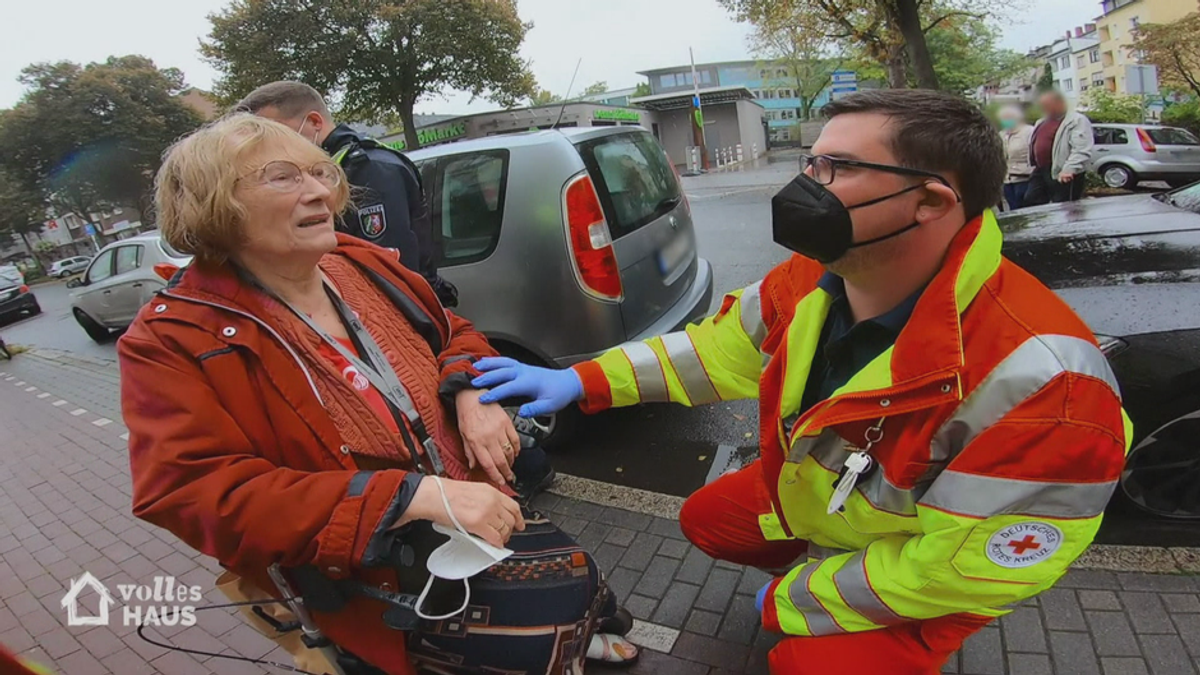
[{"x": 429, "y": 584}]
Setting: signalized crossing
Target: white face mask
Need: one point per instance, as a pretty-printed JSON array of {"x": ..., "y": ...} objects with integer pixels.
[
  {"x": 315, "y": 131},
  {"x": 461, "y": 558}
]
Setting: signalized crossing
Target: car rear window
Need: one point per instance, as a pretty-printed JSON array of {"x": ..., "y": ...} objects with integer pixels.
[
  {"x": 1171, "y": 136},
  {"x": 470, "y": 211},
  {"x": 636, "y": 182}
]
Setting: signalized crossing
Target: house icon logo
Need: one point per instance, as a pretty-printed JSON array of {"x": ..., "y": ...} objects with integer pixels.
[{"x": 70, "y": 601}]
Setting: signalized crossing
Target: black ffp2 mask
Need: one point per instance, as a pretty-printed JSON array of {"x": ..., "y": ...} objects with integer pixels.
[{"x": 809, "y": 219}]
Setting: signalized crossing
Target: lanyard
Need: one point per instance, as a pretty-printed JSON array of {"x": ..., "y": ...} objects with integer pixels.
[{"x": 383, "y": 378}]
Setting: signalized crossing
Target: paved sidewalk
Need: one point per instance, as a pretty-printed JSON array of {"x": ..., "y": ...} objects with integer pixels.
[{"x": 64, "y": 509}]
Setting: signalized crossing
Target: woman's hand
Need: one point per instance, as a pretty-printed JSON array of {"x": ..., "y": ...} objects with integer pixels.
[
  {"x": 488, "y": 435},
  {"x": 482, "y": 510}
]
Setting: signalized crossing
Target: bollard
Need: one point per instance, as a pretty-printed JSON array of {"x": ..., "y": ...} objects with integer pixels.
[
  {"x": 754, "y": 150},
  {"x": 739, "y": 152}
]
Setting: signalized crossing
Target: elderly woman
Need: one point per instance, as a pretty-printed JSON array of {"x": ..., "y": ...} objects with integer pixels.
[
  {"x": 1017, "y": 136},
  {"x": 298, "y": 398}
]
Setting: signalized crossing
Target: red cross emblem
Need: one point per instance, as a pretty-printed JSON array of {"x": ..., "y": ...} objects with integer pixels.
[{"x": 1028, "y": 543}]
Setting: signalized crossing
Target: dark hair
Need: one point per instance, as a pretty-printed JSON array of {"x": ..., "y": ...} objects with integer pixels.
[
  {"x": 939, "y": 132},
  {"x": 292, "y": 99}
]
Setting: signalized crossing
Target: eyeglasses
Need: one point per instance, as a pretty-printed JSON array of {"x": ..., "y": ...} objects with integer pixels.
[
  {"x": 284, "y": 176},
  {"x": 824, "y": 168}
]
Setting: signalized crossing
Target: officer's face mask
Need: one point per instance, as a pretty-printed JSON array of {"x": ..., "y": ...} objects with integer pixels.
[
  {"x": 460, "y": 558},
  {"x": 301, "y": 131},
  {"x": 809, "y": 219}
]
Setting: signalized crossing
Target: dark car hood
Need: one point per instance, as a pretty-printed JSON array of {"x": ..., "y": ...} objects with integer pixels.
[{"x": 1127, "y": 265}]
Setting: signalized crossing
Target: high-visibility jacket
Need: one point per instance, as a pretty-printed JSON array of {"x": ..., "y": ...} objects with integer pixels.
[{"x": 998, "y": 426}]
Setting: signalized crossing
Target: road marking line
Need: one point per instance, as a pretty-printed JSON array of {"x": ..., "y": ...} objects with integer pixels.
[
  {"x": 652, "y": 636},
  {"x": 102, "y": 422},
  {"x": 59, "y": 403},
  {"x": 44, "y": 394},
  {"x": 78, "y": 411},
  {"x": 125, "y": 436},
  {"x": 18, "y": 384},
  {"x": 30, "y": 389}
]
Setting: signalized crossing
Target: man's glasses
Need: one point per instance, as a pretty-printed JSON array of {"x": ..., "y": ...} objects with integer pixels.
[
  {"x": 824, "y": 168},
  {"x": 284, "y": 176}
]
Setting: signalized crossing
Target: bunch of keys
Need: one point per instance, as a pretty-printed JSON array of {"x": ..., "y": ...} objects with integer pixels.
[{"x": 857, "y": 464}]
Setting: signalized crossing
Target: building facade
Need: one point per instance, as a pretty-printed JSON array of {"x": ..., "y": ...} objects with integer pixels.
[
  {"x": 1120, "y": 70},
  {"x": 1068, "y": 59},
  {"x": 772, "y": 85}
]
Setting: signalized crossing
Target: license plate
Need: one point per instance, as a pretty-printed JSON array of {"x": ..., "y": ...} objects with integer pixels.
[{"x": 673, "y": 254}]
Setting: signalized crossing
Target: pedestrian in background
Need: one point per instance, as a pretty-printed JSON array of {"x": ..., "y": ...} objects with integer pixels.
[
  {"x": 389, "y": 203},
  {"x": 1061, "y": 149},
  {"x": 1017, "y": 136}
]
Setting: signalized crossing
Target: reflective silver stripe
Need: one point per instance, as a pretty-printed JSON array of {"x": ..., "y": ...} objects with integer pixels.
[
  {"x": 652, "y": 384},
  {"x": 752, "y": 317},
  {"x": 826, "y": 448},
  {"x": 1022, "y": 374},
  {"x": 986, "y": 496},
  {"x": 880, "y": 492},
  {"x": 855, "y": 588},
  {"x": 819, "y": 620},
  {"x": 818, "y": 552},
  {"x": 689, "y": 368}
]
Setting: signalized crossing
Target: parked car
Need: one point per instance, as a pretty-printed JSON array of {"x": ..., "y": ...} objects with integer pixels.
[
  {"x": 16, "y": 299},
  {"x": 565, "y": 243},
  {"x": 11, "y": 273},
  {"x": 1130, "y": 267},
  {"x": 119, "y": 280},
  {"x": 68, "y": 266},
  {"x": 1126, "y": 154}
]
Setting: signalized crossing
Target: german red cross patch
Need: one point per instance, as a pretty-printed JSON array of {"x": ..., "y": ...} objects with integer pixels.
[{"x": 1024, "y": 544}]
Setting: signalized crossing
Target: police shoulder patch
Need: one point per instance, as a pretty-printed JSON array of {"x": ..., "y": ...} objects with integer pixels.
[
  {"x": 1024, "y": 544},
  {"x": 372, "y": 220}
]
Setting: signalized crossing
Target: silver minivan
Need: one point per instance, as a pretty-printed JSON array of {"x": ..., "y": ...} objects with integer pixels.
[
  {"x": 1126, "y": 154},
  {"x": 565, "y": 243},
  {"x": 120, "y": 279}
]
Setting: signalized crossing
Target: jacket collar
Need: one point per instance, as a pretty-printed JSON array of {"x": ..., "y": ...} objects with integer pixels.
[
  {"x": 341, "y": 136},
  {"x": 931, "y": 342}
]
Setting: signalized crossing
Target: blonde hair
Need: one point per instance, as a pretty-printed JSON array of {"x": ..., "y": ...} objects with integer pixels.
[{"x": 194, "y": 192}]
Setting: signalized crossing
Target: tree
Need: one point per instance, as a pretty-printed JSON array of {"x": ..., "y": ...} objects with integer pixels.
[
  {"x": 86, "y": 137},
  {"x": 886, "y": 31},
  {"x": 1174, "y": 49},
  {"x": 643, "y": 89},
  {"x": 544, "y": 97},
  {"x": 374, "y": 58},
  {"x": 1184, "y": 114},
  {"x": 22, "y": 210},
  {"x": 790, "y": 36},
  {"x": 1046, "y": 81},
  {"x": 1104, "y": 106},
  {"x": 965, "y": 54},
  {"x": 595, "y": 88}
]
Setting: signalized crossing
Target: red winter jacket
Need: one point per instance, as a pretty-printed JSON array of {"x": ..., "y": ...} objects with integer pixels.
[{"x": 232, "y": 451}]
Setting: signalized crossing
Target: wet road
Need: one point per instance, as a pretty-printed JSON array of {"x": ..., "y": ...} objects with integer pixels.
[{"x": 55, "y": 328}]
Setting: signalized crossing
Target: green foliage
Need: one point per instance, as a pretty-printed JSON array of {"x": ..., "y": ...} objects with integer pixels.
[
  {"x": 22, "y": 209},
  {"x": 1046, "y": 81},
  {"x": 1174, "y": 49},
  {"x": 374, "y": 58},
  {"x": 544, "y": 97},
  {"x": 86, "y": 137},
  {"x": 595, "y": 88},
  {"x": 1104, "y": 106},
  {"x": 966, "y": 54},
  {"x": 1184, "y": 114},
  {"x": 643, "y": 89}
]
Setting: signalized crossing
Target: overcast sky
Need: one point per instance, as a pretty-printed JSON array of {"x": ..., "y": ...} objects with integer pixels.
[{"x": 615, "y": 38}]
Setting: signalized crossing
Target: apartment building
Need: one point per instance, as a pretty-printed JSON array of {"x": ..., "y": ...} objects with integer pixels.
[
  {"x": 1069, "y": 61},
  {"x": 1119, "y": 69}
]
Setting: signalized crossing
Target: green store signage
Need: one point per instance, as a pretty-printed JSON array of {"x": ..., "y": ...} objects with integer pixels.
[
  {"x": 617, "y": 115},
  {"x": 431, "y": 135}
]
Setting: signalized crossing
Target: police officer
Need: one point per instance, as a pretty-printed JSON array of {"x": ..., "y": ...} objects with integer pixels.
[{"x": 389, "y": 203}]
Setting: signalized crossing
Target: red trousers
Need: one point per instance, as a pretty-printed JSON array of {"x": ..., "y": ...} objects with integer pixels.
[{"x": 721, "y": 519}]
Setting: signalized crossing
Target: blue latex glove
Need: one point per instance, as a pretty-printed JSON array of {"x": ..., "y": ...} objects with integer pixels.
[
  {"x": 762, "y": 597},
  {"x": 552, "y": 390}
]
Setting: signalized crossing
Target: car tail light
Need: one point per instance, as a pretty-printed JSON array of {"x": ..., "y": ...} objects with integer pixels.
[
  {"x": 1147, "y": 142},
  {"x": 166, "y": 270},
  {"x": 591, "y": 242}
]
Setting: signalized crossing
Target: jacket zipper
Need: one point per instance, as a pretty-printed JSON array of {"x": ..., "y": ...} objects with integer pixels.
[
  {"x": 791, "y": 435},
  {"x": 303, "y": 368}
]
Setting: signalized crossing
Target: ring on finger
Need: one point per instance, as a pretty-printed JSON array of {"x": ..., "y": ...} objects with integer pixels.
[{"x": 506, "y": 446}]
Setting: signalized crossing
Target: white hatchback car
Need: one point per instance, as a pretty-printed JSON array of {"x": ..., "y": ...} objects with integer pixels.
[
  {"x": 120, "y": 279},
  {"x": 68, "y": 266}
]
